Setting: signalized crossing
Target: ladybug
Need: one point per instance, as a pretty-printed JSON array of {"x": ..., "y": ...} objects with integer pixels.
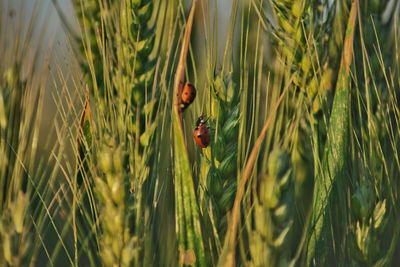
[
  {"x": 188, "y": 95},
  {"x": 201, "y": 134}
]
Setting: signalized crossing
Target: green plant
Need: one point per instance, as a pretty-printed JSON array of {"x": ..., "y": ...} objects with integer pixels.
[
  {"x": 119, "y": 246},
  {"x": 219, "y": 161},
  {"x": 303, "y": 116},
  {"x": 27, "y": 174},
  {"x": 273, "y": 213}
]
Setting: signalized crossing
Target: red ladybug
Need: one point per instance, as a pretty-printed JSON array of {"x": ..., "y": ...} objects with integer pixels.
[
  {"x": 201, "y": 134},
  {"x": 188, "y": 95}
]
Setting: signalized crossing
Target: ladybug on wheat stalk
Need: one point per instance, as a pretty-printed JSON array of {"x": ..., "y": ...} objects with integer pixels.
[
  {"x": 201, "y": 133},
  {"x": 188, "y": 95}
]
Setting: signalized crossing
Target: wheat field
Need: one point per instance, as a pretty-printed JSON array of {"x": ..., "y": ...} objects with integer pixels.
[{"x": 282, "y": 151}]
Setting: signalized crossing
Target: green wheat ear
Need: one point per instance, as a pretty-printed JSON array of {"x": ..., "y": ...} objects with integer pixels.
[
  {"x": 219, "y": 162},
  {"x": 298, "y": 31},
  {"x": 274, "y": 206},
  {"x": 118, "y": 244},
  {"x": 371, "y": 219},
  {"x": 136, "y": 51},
  {"x": 89, "y": 14},
  {"x": 120, "y": 55},
  {"x": 137, "y": 43},
  {"x": 295, "y": 33}
]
